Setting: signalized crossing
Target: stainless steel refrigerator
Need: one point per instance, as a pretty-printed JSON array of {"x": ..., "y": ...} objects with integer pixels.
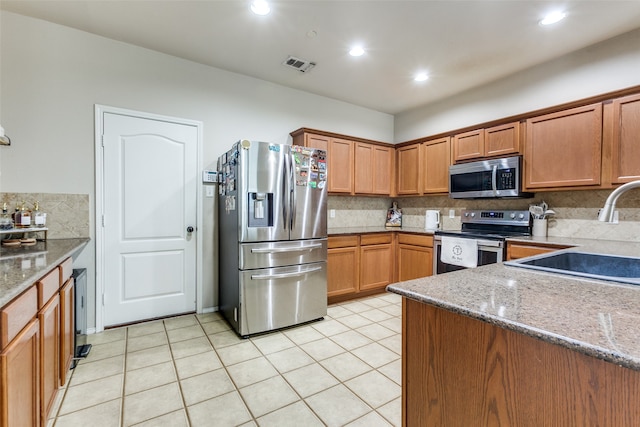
[{"x": 272, "y": 223}]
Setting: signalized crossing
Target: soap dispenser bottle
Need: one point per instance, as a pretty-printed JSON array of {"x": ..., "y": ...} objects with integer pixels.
[
  {"x": 5, "y": 219},
  {"x": 23, "y": 217},
  {"x": 39, "y": 218}
]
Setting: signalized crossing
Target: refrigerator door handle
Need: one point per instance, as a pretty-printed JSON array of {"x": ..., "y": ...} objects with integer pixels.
[
  {"x": 292, "y": 196},
  {"x": 284, "y": 275},
  {"x": 285, "y": 193},
  {"x": 283, "y": 250}
]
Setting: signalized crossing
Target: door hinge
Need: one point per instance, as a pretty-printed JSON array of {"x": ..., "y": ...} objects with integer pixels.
[
  {"x": 103, "y": 300},
  {"x": 103, "y": 220},
  {"x": 102, "y": 140}
]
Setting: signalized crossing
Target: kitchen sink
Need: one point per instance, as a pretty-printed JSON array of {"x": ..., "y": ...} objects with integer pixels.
[{"x": 584, "y": 264}]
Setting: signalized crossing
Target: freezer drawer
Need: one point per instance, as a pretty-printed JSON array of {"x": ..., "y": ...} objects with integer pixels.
[
  {"x": 279, "y": 297},
  {"x": 280, "y": 254}
]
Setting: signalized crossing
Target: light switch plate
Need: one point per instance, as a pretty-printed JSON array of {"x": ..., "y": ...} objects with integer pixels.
[{"x": 210, "y": 190}]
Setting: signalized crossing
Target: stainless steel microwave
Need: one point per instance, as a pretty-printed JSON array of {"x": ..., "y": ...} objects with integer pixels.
[{"x": 493, "y": 178}]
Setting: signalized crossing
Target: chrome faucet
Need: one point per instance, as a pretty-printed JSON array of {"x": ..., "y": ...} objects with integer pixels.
[{"x": 606, "y": 213}]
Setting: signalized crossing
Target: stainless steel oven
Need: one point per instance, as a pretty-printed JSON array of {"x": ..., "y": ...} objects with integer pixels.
[{"x": 489, "y": 229}]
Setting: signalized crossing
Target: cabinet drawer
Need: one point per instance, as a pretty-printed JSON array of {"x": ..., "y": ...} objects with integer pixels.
[
  {"x": 375, "y": 239},
  {"x": 516, "y": 251},
  {"x": 415, "y": 239},
  {"x": 342, "y": 241},
  {"x": 15, "y": 315},
  {"x": 66, "y": 270},
  {"x": 48, "y": 286}
]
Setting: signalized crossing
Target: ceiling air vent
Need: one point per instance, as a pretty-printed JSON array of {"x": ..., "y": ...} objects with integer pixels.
[{"x": 299, "y": 64}]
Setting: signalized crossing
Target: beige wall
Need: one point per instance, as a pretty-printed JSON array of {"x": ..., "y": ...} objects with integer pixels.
[
  {"x": 602, "y": 68},
  {"x": 52, "y": 76}
]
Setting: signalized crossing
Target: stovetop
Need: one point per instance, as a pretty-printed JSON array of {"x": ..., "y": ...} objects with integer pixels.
[{"x": 492, "y": 224}]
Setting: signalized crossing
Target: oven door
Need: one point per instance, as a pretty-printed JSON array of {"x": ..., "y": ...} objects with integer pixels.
[{"x": 489, "y": 252}]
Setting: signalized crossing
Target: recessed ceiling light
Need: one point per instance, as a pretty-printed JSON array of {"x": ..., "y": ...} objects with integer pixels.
[
  {"x": 421, "y": 77},
  {"x": 552, "y": 18},
  {"x": 260, "y": 7},
  {"x": 356, "y": 51}
]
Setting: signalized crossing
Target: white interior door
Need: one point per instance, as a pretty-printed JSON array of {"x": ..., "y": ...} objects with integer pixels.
[{"x": 149, "y": 205}]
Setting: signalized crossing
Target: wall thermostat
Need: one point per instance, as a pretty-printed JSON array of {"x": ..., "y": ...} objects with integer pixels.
[{"x": 210, "y": 177}]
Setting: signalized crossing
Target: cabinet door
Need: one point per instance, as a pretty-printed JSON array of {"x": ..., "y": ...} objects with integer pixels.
[
  {"x": 19, "y": 384},
  {"x": 468, "y": 145},
  {"x": 364, "y": 168},
  {"x": 67, "y": 329},
  {"x": 436, "y": 156},
  {"x": 626, "y": 139},
  {"x": 563, "y": 149},
  {"x": 373, "y": 168},
  {"x": 49, "y": 317},
  {"x": 342, "y": 271},
  {"x": 522, "y": 250},
  {"x": 414, "y": 262},
  {"x": 408, "y": 163},
  {"x": 502, "y": 140},
  {"x": 340, "y": 166},
  {"x": 316, "y": 141},
  {"x": 376, "y": 269}
]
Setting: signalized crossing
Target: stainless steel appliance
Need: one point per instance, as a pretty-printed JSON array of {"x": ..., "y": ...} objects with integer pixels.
[
  {"x": 489, "y": 229},
  {"x": 493, "y": 178},
  {"x": 272, "y": 236}
]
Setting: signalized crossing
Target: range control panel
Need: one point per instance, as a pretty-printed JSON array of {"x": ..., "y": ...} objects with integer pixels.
[{"x": 498, "y": 217}]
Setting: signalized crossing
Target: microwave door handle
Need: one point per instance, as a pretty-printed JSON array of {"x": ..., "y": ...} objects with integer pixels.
[{"x": 494, "y": 184}]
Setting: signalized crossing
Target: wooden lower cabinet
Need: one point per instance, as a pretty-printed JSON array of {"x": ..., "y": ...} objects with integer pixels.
[
  {"x": 459, "y": 371},
  {"x": 49, "y": 319},
  {"x": 376, "y": 261},
  {"x": 20, "y": 379},
  {"x": 516, "y": 250},
  {"x": 415, "y": 256},
  {"x": 343, "y": 265},
  {"x": 67, "y": 332},
  {"x": 359, "y": 265}
]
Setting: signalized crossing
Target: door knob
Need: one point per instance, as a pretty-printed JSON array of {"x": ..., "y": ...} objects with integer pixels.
[{"x": 189, "y": 229}]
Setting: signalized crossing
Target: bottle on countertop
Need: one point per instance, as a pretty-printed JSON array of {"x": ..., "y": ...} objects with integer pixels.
[
  {"x": 23, "y": 217},
  {"x": 39, "y": 218},
  {"x": 5, "y": 219}
]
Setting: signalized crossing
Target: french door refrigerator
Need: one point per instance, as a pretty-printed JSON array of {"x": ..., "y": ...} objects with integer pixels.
[{"x": 272, "y": 236}]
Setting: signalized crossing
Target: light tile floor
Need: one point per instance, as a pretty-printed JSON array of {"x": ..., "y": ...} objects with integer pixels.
[{"x": 194, "y": 371}]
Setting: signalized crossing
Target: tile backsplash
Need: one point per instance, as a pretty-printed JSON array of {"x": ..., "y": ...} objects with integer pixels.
[
  {"x": 576, "y": 212},
  {"x": 67, "y": 214}
]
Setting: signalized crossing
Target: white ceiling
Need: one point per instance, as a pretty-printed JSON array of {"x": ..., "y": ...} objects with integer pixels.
[{"x": 461, "y": 44}]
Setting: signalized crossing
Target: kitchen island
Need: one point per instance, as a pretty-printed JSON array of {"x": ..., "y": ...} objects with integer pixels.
[{"x": 501, "y": 345}]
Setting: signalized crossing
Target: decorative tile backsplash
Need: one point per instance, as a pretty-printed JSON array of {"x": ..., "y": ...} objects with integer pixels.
[
  {"x": 576, "y": 211},
  {"x": 67, "y": 214}
]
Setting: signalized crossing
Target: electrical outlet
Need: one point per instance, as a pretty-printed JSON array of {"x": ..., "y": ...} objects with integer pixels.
[
  {"x": 452, "y": 213},
  {"x": 332, "y": 213}
]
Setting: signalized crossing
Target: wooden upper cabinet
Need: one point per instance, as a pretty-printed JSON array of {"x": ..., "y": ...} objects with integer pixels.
[
  {"x": 408, "y": 169},
  {"x": 495, "y": 141},
  {"x": 468, "y": 145},
  {"x": 625, "y": 135},
  {"x": 502, "y": 140},
  {"x": 373, "y": 169},
  {"x": 436, "y": 158},
  {"x": 340, "y": 166},
  {"x": 316, "y": 141},
  {"x": 563, "y": 149}
]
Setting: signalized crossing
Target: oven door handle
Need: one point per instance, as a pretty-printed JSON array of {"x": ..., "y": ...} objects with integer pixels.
[
  {"x": 489, "y": 243},
  {"x": 494, "y": 179}
]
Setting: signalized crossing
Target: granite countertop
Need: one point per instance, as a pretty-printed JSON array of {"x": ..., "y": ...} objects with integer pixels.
[
  {"x": 595, "y": 317},
  {"x": 22, "y": 267}
]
